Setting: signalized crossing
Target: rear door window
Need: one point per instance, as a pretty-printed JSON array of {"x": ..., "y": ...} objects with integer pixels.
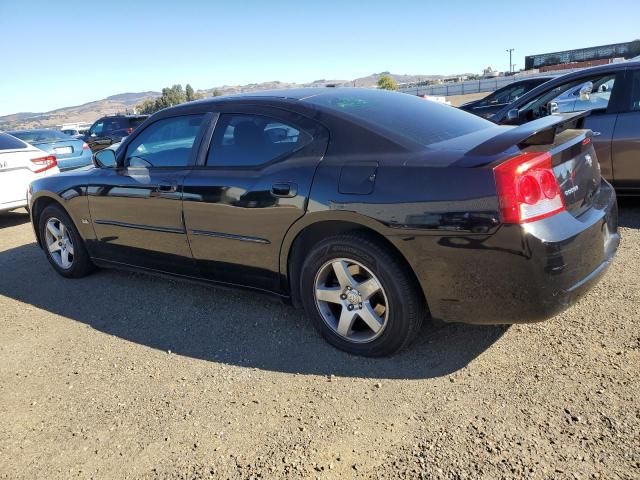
[{"x": 243, "y": 140}]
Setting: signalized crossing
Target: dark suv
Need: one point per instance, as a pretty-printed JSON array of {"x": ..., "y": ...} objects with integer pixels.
[{"x": 111, "y": 129}]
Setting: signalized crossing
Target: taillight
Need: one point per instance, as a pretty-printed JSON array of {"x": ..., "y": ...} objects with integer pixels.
[
  {"x": 85, "y": 146},
  {"x": 129, "y": 130},
  {"x": 44, "y": 163},
  {"x": 527, "y": 188}
]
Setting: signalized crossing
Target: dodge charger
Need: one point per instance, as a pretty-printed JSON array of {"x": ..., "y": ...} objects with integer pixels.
[{"x": 372, "y": 210}]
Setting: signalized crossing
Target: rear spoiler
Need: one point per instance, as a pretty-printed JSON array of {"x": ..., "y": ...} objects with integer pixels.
[{"x": 542, "y": 131}]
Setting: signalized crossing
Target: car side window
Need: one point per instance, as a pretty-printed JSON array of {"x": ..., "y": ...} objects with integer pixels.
[
  {"x": 567, "y": 97},
  {"x": 635, "y": 91},
  {"x": 165, "y": 143},
  {"x": 242, "y": 140},
  {"x": 97, "y": 128}
]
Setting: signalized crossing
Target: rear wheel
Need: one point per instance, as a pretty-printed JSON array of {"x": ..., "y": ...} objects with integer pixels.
[
  {"x": 360, "y": 296},
  {"x": 62, "y": 243}
]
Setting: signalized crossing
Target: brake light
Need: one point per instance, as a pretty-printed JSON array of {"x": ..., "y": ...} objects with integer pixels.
[
  {"x": 129, "y": 130},
  {"x": 85, "y": 146},
  {"x": 44, "y": 163},
  {"x": 527, "y": 188}
]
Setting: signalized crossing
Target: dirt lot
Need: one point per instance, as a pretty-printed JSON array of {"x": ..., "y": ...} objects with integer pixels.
[{"x": 127, "y": 376}]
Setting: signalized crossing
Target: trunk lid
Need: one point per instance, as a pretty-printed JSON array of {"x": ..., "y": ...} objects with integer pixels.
[
  {"x": 575, "y": 166},
  {"x": 62, "y": 148},
  {"x": 573, "y": 158}
]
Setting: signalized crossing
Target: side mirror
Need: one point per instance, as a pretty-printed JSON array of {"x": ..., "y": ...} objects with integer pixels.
[
  {"x": 553, "y": 108},
  {"x": 585, "y": 91},
  {"x": 105, "y": 158},
  {"x": 513, "y": 115}
]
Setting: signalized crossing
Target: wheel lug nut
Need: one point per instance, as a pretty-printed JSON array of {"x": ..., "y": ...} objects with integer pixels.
[
  {"x": 343, "y": 296},
  {"x": 350, "y": 307}
]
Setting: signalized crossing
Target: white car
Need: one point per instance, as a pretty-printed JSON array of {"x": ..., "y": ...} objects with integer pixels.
[{"x": 20, "y": 164}]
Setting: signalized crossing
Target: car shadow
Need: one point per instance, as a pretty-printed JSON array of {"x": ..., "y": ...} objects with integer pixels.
[
  {"x": 629, "y": 208},
  {"x": 215, "y": 324},
  {"x": 13, "y": 219}
]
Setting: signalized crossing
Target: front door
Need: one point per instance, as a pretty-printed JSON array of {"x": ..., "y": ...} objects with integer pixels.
[
  {"x": 252, "y": 186},
  {"x": 136, "y": 208}
]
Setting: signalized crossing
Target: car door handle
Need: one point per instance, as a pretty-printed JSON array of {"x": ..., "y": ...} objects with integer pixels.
[
  {"x": 286, "y": 190},
  {"x": 596, "y": 134},
  {"x": 164, "y": 188}
]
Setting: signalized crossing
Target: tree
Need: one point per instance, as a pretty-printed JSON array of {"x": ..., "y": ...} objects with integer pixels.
[
  {"x": 188, "y": 90},
  {"x": 171, "y": 96},
  {"x": 216, "y": 93},
  {"x": 387, "y": 82}
]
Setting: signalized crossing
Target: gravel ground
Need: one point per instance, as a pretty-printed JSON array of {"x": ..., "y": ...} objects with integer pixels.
[{"x": 123, "y": 375}]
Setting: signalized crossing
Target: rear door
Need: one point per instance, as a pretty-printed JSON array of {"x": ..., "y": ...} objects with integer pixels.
[
  {"x": 137, "y": 207},
  {"x": 251, "y": 186},
  {"x": 625, "y": 149}
]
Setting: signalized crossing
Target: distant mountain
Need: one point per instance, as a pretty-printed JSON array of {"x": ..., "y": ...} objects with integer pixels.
[
  {"x": 126, "y": 102},
  {"x": 87, "y": 112}
]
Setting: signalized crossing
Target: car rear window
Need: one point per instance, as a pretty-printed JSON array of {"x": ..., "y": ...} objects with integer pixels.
[
  {"x": 134, "y": 122},
  {"x": 421, "y": 121},
  {"x": 38, "y": 136},
  {"x": 7, "y": 142}
]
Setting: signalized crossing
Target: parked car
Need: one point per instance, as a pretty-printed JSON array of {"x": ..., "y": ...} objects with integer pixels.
[
  {"x": 371, "y": 209},
  {"x": 612, "y": 94},
  {"x": 72, "y": 132},
  {"x": 487, "y": 106},
  {"x": 111, "y": 129},
  {"x": 70, "y": 152},
  {"x": 20, "y": 163}
]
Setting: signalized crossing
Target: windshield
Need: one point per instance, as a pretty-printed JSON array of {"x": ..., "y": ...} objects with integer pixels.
[{"x": 40, "y": 136}]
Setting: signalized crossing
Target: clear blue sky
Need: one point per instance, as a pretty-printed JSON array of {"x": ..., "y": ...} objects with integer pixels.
[{"x": 67, "y": 52}]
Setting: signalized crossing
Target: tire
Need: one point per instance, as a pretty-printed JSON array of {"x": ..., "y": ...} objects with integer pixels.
[
  {"x": 78, "y": 262},
  {"x": 393, "y": 314}
]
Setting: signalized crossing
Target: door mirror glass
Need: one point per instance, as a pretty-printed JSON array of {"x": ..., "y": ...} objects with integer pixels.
[
  {"x": 105, "y": 158},
  {"x": 585, "y": 91},
  {"x": 513, "y": 115}
]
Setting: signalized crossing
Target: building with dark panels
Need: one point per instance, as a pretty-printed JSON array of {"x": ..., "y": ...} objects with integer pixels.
[{"x": 600, "y": 54}]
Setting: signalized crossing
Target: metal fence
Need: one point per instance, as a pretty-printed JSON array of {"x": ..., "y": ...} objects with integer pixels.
[
  {"x": 461, "y": 88},
  {"x": 468, "y": 86}
]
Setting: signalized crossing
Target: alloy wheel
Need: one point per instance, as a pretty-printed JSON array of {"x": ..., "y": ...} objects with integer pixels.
[
  {"x": 351, "y": 300},
  {"x": 59, "y": 243}
]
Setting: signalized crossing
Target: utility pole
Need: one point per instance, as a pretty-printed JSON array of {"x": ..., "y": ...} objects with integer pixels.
[{"x": 510, "y": 50}]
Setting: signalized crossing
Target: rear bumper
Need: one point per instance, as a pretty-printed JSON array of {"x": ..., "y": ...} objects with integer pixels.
[
  {"x": 523, "y": 273},
  {"x": 6, "y": 207}
]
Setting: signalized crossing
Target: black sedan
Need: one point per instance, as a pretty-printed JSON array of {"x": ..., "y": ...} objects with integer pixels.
[{"x": 373, "y": 210}]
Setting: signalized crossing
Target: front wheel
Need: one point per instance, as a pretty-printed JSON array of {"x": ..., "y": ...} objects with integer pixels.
[
  {"x": 62, "y": 243},
  {"x": 361, "y": 296}
]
